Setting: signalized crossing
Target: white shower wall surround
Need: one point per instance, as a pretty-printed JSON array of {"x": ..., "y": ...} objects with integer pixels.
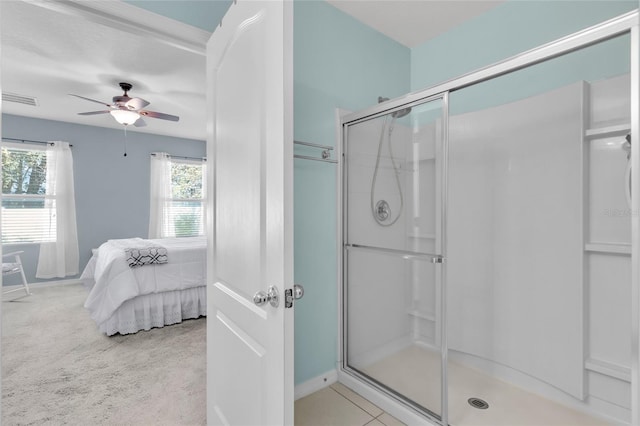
[
  {"x": 515, "y": 237},
  {"x": 538, "y": 245}
]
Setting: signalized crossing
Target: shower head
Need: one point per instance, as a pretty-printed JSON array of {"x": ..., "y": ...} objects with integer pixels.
[
  {"x": 401, "y": 113},
  {"x": 395, "y": 114}
]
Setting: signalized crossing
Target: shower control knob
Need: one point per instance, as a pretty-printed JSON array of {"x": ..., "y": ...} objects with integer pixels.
[{"x": 383, "y": 211}]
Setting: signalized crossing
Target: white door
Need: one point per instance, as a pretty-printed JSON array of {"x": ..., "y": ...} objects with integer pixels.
[{"x": 250, "y": 146}]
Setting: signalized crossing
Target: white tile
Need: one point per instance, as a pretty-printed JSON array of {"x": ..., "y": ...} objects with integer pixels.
[
  {"x": 328, "y": 408},
  {"x": 389, "y": 420},
  {"x": 357, "y": 399}
]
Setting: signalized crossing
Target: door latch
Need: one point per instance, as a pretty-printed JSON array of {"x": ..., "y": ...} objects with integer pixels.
[
  {"x": 292, "y": 294},
  {"x": 288, "y": 298}
]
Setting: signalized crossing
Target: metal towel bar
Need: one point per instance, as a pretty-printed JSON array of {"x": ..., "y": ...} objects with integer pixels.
[{"x": 326, "y": 152}]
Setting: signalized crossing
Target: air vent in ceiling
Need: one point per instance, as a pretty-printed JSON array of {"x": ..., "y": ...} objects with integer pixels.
[{"x": 19, "y": 99}]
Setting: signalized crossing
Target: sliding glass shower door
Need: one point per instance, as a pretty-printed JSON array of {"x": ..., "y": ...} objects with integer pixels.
[
  {"x": 529, "y": 163},
  {"x": 393, "y": 249}
]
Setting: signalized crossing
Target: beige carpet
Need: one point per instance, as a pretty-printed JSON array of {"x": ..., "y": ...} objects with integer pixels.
[{"x": 58, "y": 369}]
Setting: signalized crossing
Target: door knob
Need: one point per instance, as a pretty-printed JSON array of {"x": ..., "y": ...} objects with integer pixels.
[
  {"x": 298, "y": 291},
  {"x": 272, "y": 296}
]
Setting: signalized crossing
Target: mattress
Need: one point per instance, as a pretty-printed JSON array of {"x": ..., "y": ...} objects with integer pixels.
[{"x": 124, "y": 299}]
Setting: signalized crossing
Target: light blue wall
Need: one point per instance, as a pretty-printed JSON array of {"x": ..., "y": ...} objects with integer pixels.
[
  {"x": 338, "y": 62},
  {"x": 203, "y": 14},
  {"x": 511, "y": 28},
  {"x": 112, "y": 191}
]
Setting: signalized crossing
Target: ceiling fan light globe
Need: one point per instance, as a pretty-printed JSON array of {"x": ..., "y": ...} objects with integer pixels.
[{"x": 124, "y": 116}]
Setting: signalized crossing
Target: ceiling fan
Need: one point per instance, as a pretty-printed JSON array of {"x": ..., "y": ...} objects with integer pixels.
[{"x": 127, "y": 110}]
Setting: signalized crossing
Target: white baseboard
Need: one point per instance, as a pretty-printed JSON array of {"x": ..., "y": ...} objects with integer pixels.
[{"x": 315, "y": 384}]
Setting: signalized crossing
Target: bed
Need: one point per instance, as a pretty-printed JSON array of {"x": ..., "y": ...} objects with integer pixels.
[{"x": 125, "y": 299}]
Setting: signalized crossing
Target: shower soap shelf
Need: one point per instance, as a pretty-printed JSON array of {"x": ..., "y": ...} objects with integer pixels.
[
  {"x": 603, "y": 132},
  {"x": 419, "y": 235},
  {"x": 608, "y": 248},
  {"x": 422, "y": 315},
  {"x": 608, "y": 368}
]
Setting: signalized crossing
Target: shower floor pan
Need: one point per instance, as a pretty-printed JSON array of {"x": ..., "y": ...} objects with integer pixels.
[{"x": 415, "y": 373}]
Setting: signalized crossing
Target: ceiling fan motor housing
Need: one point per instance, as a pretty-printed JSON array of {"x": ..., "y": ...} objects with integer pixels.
[{"x": 120, "y": 99}]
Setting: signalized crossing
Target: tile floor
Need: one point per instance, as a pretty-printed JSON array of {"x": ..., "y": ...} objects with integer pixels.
[{"x": 338, "y": 405}]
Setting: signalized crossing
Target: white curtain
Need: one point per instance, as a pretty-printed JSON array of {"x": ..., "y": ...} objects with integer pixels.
[
  {"x": 205, "y": 198},
  {"x": 60, "y": 258},
  {"x": 160, "y": 193}
]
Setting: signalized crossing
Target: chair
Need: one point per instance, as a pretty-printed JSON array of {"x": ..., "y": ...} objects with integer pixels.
[{"x": 10, "y": 267}]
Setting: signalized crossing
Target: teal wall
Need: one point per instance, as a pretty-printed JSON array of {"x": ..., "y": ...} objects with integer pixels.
[
  {"x": 203, "y": 14},
  {"x": 511, "y": 28},
  {"x": 600, "y": 61},
  {"x": 338, "y": 62}
]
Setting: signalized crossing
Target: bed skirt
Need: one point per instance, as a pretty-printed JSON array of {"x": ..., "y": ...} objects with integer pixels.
[{"x": 156, "y": 310}]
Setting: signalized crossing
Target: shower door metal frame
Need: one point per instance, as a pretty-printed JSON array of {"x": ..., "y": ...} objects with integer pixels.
[
  {"x": 439, "y": 258},
  {"x": 627, "y": 23}
]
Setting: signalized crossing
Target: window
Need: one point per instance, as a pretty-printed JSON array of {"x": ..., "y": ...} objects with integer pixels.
[
  {"x": 177, "y": 197},
  {"x": 25, "y": 215},
  {"x": 185, "y": 209}
]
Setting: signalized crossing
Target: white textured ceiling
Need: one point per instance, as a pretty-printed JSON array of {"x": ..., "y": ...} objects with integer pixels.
[
  {"x": 47, "y": 54},
  {"x": 412, "y": 22}
]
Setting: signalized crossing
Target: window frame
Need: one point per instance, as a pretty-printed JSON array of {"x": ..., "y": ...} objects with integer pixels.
[
  {"x": 27, "y": 147},
  {"x": 203, "y": 196}
]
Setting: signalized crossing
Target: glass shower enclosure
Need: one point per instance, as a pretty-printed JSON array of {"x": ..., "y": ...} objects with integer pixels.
[{"x": 487, "y": 244}]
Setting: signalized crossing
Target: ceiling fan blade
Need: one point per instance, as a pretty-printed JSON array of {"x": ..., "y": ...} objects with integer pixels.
[
  {"x": 136, "y": 104},
  {"x": 93, "y": 112},
  {"x": 159, "y": 115},
  {"x": 140, "y": 123},
  {"x": 89, "y": 99}
]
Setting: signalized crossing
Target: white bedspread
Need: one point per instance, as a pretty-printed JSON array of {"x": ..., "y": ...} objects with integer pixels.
[{"x": 116, "y": 282}]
